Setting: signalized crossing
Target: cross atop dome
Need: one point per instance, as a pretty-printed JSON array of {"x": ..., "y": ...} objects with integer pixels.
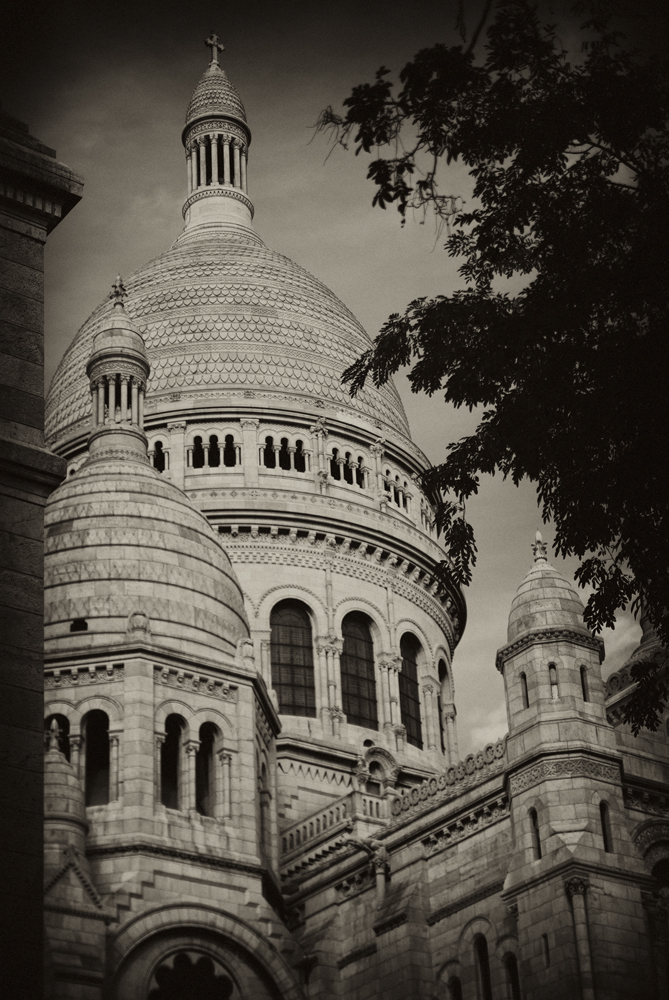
[
  {"x": 540, "y": 548},
  {"x": 215, "y": 46},
  {"x": 118, "y": 293}
]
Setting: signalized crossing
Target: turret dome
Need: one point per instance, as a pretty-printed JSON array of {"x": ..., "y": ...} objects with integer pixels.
[
  {"x": 544, "y": 600},
  {"x": 215, "y": 95}
]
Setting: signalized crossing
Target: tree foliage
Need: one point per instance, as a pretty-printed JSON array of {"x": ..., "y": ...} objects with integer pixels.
[{"x": 569, "y": 157}]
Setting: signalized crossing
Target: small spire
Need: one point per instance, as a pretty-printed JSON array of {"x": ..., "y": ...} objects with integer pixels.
[
  {"x": 54, "y": 736},
  {"x": 540, "y": 548},
  {"x": 215, "y": 46},
  {"x": 118, "y": 293}
]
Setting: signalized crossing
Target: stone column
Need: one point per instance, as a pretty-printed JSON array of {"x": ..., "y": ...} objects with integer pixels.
[
  {"x": 213, "y": 139},
  {"x": 140, "y": 408},
  {"x": 203, "y": 162},
  {"x": 250, "y": 452},
  {"x": 189, "y": 174},
  {"x": 576, "y": 889},
  {"x": 235, "y": 147},
  {"x": 134, "y": 401},
  {"x": 101, "y": 400},
  {"x": 428, "y": 692},
  {"x": 385, "y": 692},
  {"x": 158, "y": 742},
  {"x": 114, "y": 741},
  {"x": 177, "y": 450},
  {"x": 124, "y": 381},
  {"x": 223, "y": 809},
  {"x": 394, "y": 667},
  {"x": 243, "y": 164},
  {"x": 226, "y": 160},
  {"x": 94, "y": 405},
  {"x": 193, "y": 166},
  {"x": 448, "y": 715},
  {"x": 191, "y": 748},
  {"x": 75, "y": 754}
]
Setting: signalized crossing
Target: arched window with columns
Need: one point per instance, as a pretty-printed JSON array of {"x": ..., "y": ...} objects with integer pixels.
[
  {"x": 358, "y": 682},
  {"x": 409, "y": 694},
  {"x": 205, "y": 786},
  {"x": 292, "y": 656}
]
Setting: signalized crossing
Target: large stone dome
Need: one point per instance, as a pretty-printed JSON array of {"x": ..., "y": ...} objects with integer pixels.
[
  {"x": 544, "y": 600},
  {"x": 128, "y": 557},
  {"x": 226, "y": 320}
]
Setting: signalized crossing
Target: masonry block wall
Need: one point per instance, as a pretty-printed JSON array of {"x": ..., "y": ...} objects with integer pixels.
[{"x": 36, "y": 192}]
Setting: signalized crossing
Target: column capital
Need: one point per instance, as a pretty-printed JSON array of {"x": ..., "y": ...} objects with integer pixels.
[
  {"x": 225, "y": 756},
  {"x": 428, "y": 689},
  {"x": 191, "y": 746},
  {"x": 75, "y": 742},
  {"x": 181, "y": 426},
  {"x": 249, "y": 425},
  {"x": 577, "y": 886}
]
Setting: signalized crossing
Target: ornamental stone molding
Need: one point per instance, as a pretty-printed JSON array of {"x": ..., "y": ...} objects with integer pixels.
[
  {"x": 226, "y": 129},
  {"x": 221, "y": 191},
  {"x": 77, "y": 676},
  {"x": 466, "y": 825},
  {"x": 646, "y": 800},
  {"x": 187, "y": 680},
  {"x": 544, "y": 635},
  {"x": 355, "y": 884},
  {"x": 649, "y": 835},
  {"x": 563, "y": 767}
]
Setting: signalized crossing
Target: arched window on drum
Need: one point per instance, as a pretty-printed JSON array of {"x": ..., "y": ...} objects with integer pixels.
[
  {"x": 292, "y": 654},
  {"x": 409, "y": 694},
  {"x": 358, "y": 682}
]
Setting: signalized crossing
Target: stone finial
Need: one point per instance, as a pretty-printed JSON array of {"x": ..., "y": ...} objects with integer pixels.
[
  {"x": 118, "y": 293},
  {"x": 54, "y": 736},
  {"x": 540, "y": 548},
  {"x": 215, "y": 46}
]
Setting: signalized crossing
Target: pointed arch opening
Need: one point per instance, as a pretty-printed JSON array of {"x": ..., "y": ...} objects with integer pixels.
[
  {"x": 525, "y": 694},
  {"x": 605, "y": 824},
  {"x": 536, "y": 837},
  {"x": 409, "y": 693},
  {"x": 292, "y": 656},
  {"x": 358, "y": 681},
  {"x": 585, "y": 691}
]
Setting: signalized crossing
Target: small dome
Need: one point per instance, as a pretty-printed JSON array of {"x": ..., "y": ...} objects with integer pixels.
[
  {"x": 63, "y": 795},
  {"x": 119, "y": 335},
  {"x": 215, "y": 95},
  {"x": 544, "y": 600},
  {"x": 127, "y": 557}
]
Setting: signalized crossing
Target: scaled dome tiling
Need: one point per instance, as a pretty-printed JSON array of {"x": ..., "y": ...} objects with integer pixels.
[
  {"x": 545, "y": 600},
  {"x": 221, "y": 311},
  {"x": 215, "y": 95},
  {"x": 127, "y": 552}
]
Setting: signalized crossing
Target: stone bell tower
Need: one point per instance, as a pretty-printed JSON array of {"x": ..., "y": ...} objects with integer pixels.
[{"x": 573, "y": 864}]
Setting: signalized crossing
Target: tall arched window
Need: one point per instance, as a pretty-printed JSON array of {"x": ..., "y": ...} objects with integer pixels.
[
  {"x": 96, "y": 745},
  {"x": 269, "y": 455},
  {"x": 524, "y": 692},
  {"x": 284, "y": 455},
  {"x": 553, "y": 678},
  {"x": 205, "y": 795},
  {"x": 335, "y": 468},
  {"x": 482, "y": 961},
  {"x": 358, "y": 683},
  {"x": 292, "y": 653},
  {"x": 584, "y": 684},
  {"x": 170, "y": 762},
  {"x": 510, "y": 963},
  {"x": 158, "y": 456},
  {"x": 229, "y": 452},
  {"x": 214, "y": 455},
  {"x": 198, "y": 453},
  {"x": 605, "y": 820},
  {"x": 409, "y": 695},
  {"x": 300, "y": 457},
  {"x": 536, "y": 839}
]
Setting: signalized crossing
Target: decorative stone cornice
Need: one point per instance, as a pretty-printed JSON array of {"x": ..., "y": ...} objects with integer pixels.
[
  {"x": 156, "y": 850},
  {"x": 357, "y": 955},
  {"x": 221, "y": 191},
  {"x": 190, "y": 681},
  {"x": 466, "y": 825},
  {"x": 543, "y": 635},
  {"x": 563, "y": 767}
]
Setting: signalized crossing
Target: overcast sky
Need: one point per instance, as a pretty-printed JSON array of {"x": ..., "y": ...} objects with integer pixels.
[{"x": 107, "y": 85}]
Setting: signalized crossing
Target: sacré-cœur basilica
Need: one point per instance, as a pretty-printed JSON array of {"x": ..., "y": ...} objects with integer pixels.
[{"x": 253, "y": 785}]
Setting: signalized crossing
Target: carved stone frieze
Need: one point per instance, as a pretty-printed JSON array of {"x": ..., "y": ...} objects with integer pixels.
[
  {"x": 466, "y": 825},
  {"x": 218, "y": 192},
  {"x": 646, "y": 800},
  {"x": 563, "y": 767},
  {"x": 78, "y": 676},
  {"x": 355, "y": 884},
  {"x": 190, "y": 681}
]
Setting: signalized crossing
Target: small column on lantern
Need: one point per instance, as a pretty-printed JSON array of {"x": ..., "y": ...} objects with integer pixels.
[{"x": 213, "y": 141}]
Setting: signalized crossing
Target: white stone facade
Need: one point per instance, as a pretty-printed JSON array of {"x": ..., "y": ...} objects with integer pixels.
[{"x": 253, "y": 767}]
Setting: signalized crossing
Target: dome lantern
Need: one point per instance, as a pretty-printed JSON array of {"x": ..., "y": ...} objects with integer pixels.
[
  {"x": 216, "y": 138},
  {"x": 118, "y": 370}
]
